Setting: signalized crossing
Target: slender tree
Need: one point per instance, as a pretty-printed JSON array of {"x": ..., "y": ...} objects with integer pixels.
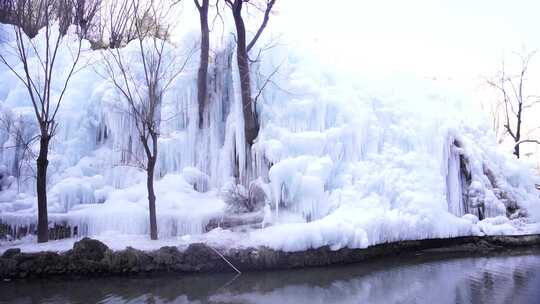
[
  {"x": 515, "y": 102},
  {"x": 144, "y": 97},
  {"x": 116, "y": 24},
  {"x": 202, "y": 75},
  {"x": 251, "y": 122},
  {"x": 38, "y": 80}
]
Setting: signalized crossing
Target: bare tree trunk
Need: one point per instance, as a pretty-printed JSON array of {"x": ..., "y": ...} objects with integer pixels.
[
  {"x": 251, "y": 124},
  {"x": 151, "y": 166},
  {"x": 515, "y": 102},
  {"x": 518, "y": 130},
  {"x": 151, "y": 198},
  {"x": 41, "y": 14},
  {"x": 41, "y": 189},
  {"x": 202, "y": 77}
]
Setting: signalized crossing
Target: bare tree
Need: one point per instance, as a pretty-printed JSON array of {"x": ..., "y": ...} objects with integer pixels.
[
  {"x": 251, "y": 123},
  {"x": 67, "y": 12},
  {"x": 515, "y": 102},
  {"x": 64, "y": 11},
  {"x": 117, "y": 24},
  {"x": 38, "y": 80},
  {"x": 144, "y": 99},
  {"x": 202, "y": 76},
  {"x": 84, "y": 15},
  {"x": 120, "y": 21},
  {"x": 30, "y": 15},
  {"x": 249, "y": 109}
]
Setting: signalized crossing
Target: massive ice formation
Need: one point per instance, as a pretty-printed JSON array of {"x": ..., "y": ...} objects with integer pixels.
[{"x": 336, "y": 162}]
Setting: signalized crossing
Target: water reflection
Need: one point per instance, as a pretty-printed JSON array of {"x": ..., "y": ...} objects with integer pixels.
[{"x": 510, "y": 279}]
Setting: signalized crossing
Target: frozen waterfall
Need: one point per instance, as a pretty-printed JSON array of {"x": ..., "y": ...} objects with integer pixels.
[{"x": 336, "y": 162}]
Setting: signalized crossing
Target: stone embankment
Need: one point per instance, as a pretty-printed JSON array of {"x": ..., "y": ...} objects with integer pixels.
[{"x": 93, "y": 258}]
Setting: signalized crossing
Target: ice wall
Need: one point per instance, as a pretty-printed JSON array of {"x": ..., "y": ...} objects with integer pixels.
[{"x": 339, "y": 160}]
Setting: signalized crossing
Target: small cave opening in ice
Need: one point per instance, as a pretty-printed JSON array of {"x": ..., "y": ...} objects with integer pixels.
[{"x": 458, "y": 183}]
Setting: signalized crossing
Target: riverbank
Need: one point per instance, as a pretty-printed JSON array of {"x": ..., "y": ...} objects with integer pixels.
[
  {"x": 93, "y": 258},
  {"x": 511, "y": 276}
]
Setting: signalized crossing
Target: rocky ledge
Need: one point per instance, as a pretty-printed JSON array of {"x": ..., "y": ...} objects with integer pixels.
[{"x": 93, "y": 258}]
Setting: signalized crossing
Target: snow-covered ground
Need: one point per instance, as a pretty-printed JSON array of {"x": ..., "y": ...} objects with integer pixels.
[
  {"x": 286, "y": 238},
  {"x": 344, "y": 159}
]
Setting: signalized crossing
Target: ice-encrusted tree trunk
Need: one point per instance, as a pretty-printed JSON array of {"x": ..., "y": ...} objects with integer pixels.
[
  {"x": 251, "y": 122},
  {"x": 249, "y": 109},
  {"x": 38, "y": 79},
  {"x": 144, "y": 93},
  {"x": 515, "y": 102},
  {"x": 202, "y": 75}
]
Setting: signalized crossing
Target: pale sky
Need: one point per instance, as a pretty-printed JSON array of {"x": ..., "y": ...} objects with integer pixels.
[
  {"x": 464, "y": 41},
  {"x": 455, "y": 38},
  {"x": 442, "y": 38}
]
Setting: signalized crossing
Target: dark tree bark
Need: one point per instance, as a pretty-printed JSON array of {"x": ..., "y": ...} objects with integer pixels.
[
  {"x": 517, "y": 138},
  {"x": 41, "y": 189},
  {"x": 150, "y": 170},
  {"x": 202, "y": 77},
  {"x": 251, "y": 122}
]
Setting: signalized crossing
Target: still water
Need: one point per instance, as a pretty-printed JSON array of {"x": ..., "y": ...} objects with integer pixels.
[{"x": 500, "y": 279}]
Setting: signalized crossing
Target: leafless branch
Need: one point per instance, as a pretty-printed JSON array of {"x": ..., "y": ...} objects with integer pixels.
[{"x": 515, "y": 102}]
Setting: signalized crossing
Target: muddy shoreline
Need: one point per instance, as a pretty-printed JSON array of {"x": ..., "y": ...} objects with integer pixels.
[{"x": 91, "y": 258}]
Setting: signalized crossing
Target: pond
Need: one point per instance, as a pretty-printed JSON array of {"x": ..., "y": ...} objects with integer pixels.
[{"x": 512, "y": 278}]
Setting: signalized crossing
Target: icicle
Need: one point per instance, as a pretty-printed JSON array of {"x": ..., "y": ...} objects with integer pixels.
[{"x": 454, "y": 183}]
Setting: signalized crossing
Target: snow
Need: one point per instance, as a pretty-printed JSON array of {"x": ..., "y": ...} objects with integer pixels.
[{"x": 344, "y": 160}]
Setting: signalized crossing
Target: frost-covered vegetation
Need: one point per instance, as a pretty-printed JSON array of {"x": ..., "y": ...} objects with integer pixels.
[{"x": 336, "y": 161}]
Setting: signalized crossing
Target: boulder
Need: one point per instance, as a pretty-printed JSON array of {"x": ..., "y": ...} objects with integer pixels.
[
  {"x": 129, "y": 260},
  {"x": 89, "y": 249},
  {"x": 167, "y": 256},
  {"x": 200, "y": 257},
  {"x": 11, "y": 252}
]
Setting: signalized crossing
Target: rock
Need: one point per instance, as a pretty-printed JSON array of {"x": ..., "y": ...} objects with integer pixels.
[
  {"x": 89, "y": 249},
  {"x": 8, "y": 268},
  {"x": 11, "y": 252},
  {"x": 200, "y": 257},
  {"x": 129, "y": 260},
  {"x": 167, "y": 256}
]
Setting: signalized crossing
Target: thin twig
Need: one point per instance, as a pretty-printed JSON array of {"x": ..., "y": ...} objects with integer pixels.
[{"x": 225, "y": 259}]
